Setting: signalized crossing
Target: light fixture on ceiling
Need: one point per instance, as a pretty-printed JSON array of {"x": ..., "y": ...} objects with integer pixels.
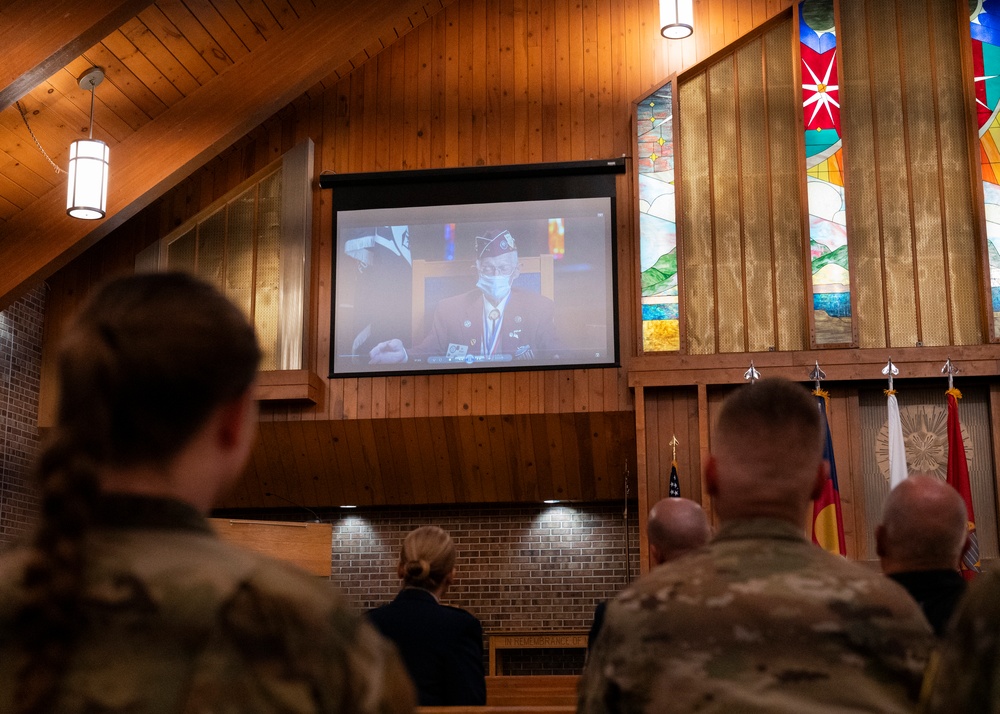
[
  {"x": 87, "y": 190},
  {"x": 676, "y": 19}
]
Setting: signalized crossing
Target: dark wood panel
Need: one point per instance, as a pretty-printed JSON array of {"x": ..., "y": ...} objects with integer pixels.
[{"x": 482, "y": 459}]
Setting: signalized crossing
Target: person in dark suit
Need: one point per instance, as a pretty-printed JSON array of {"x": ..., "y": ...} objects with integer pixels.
[
  {"x": 920, "y": 542},
  {"x": 441, "y": 646},
  {"x": 492, "y": 321}
]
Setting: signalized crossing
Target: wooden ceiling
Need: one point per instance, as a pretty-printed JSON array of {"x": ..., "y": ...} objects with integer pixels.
[{"x": 184, "y": 80}]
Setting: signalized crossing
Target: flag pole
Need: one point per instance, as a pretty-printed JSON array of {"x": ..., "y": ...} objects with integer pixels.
[
  {"x": 957, "y": 474},
  {"x": 951, "y": 370},
  {"x": 898, "y": 470},
  {"x": 890, "y": 370},
  {"x": 673, "y": 482},
  {"x": 817, "y": 376},
  {"x": 628, "y": 547},
  {"x": 828, "y": 518}
]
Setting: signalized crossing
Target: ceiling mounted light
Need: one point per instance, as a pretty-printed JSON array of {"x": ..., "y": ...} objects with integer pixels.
[
  {"x": 676, "y": 19},
  {"x": 87, "y": 190}
]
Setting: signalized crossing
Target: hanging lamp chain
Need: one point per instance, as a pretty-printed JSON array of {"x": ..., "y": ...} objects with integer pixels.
[{"x": 24, "y": 118}]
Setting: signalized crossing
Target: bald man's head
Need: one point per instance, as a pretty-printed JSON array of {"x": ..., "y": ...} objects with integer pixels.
[
  {"x": 767, "y": 453},
  {"x": 924, "y": 526},
  {"x": 676, "y": 526}
]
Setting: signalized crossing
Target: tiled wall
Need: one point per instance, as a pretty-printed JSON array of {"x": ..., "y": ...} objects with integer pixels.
[
  {"x": 520, "y": 568},
  {"x": 20, "y": 369}
]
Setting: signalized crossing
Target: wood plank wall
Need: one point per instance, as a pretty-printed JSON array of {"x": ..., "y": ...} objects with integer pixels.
[{"x": 481, "y": 82}]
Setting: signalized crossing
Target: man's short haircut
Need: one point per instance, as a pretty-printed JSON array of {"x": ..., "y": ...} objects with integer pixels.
[{"x": 774, "y": 413}]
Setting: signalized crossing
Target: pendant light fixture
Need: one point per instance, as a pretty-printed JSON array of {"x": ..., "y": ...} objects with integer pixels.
[
  {"x": 676, "y": 19},
  {"x": 87, "y": 190}
]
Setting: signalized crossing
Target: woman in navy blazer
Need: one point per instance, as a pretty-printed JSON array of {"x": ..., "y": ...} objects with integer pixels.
[{"x": 441, "y": 645}]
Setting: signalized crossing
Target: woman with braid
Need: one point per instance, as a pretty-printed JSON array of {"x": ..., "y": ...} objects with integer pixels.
[
  {"x": 442, "y": 646},
  {"x": 125, "y": 601}
]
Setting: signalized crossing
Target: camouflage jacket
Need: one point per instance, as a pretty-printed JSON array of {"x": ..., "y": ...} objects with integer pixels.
[
  {"x": 759, "y": 620},
  {"x": 175, "y": 620},
  {"x": 965, "y": 677}
]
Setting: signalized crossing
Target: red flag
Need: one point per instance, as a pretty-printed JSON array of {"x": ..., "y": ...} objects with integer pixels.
[
  {"x": 828, "y": 519},
  {"x": 958, "y": 477}
]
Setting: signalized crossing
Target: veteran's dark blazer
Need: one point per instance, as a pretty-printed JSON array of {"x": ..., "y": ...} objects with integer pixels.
[
  {"x": 527, "y": 331},
  {"x": 441, "y": 646}
]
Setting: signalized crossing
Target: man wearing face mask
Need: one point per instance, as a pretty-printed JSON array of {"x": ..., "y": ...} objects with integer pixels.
[{"x": 494, "y": 321}]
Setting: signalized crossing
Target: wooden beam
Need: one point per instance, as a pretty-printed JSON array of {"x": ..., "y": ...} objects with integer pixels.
[
  {"x": 42, "y": 238},
  {"x": 40, "y": 38},
  {"x": 839, "y": 365}
]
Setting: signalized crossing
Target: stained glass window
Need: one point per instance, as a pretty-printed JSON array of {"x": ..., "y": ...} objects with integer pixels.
[
  {"x": 831, "y": 284},
  {"x": 657, "y": 224},
  {"x": 985, "y": 28}
]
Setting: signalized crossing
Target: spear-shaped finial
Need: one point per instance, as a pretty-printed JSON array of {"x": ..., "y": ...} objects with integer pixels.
[
  {"x": 817, "y": 375},
  {"x": 673, "y": 448},
  {"x": 890, "y": 370},
  {"x": 751, "y": 375},
  {"x": 951, "y": 370}
]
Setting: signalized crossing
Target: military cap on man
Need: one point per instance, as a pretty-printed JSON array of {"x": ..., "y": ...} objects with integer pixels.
[{"x": 494, "y": 243}]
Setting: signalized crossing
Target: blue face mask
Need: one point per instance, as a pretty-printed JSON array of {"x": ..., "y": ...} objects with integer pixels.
[{"x": 495, "y": 287}]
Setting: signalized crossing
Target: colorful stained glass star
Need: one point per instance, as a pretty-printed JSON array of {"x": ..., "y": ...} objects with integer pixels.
[{"x": 823, "y": 92}]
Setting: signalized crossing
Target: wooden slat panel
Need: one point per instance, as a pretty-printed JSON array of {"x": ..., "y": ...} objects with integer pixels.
[
  {"x": 756, "y": 229},
  {"x": 730, "y": 289},
  {"x": 864, "y": 212},
  {"x": 924, "y": 163}
]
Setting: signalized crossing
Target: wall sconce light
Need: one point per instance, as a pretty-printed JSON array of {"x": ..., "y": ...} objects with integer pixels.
[
  {"x": 87, "y": 190},
  {"x": 676, "y": 19}
]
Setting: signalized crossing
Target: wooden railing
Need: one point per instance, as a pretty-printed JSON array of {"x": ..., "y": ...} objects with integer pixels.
[{"x": 515, "y": 694}]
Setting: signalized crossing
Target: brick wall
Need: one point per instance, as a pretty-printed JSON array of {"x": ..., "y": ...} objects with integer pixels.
[
  {"x": 20, "y": 369},
  {"x": 520, "y": 567}
]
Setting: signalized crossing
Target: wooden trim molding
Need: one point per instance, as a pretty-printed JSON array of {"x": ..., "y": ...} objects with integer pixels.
[
  {"x": 839, "y": 365},
  {"x": 289, "y": 385}
]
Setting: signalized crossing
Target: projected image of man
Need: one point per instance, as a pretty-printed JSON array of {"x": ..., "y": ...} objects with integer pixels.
[{"x": 495, "y": 321}]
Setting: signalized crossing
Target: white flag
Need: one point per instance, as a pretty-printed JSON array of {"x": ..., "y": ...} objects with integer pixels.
[{"x": 897, "y": 449}]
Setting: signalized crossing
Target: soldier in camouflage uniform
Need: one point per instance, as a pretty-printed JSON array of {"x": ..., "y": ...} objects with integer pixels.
[
  {"x": 760, "y": 619},
  {"x": 125, "y": 601},
  {"x": 964, "y": 676}
]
